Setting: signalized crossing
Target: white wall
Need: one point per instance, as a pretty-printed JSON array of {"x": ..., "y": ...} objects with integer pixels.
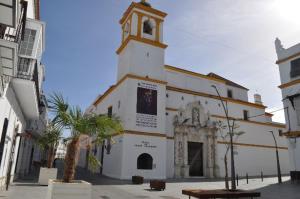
[
  {"x": 198, "y": 84},
  {"x": 294, "y": 153},
  {"x": 129, "y": 166},
  {"x": 254, "y": 159},
  {"x": 113, "y": 163},
  {"x": 141, "y": 59}
]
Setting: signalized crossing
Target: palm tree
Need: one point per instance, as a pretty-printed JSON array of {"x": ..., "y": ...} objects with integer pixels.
[
  {"x": 49, "y": 141},
  {"x": 80, "y": 125}
]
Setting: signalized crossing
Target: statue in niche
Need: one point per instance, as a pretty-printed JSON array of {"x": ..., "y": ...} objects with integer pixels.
[
  {"x": 195, "y": 116},
  {"x": 180, "y": 150}
]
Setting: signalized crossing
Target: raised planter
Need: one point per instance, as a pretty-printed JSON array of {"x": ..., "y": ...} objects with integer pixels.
[
  {"x": 76, "y": 190},
  {"x": 158, "y": 184},
  {"x": 137, "y": 180},
  {"x": 46, "y": 174}
]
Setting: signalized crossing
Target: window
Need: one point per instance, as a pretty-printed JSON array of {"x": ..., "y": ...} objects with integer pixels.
[
  {"x": 297, "y": 108},
  {"x": 246, "y": 116},
  {"x": 295, "y": 68},
  {"x": 229, "y": 93},
  {"x": 23, "y": 64},
  {"x": 109, "y": 111},
  {"x": 148, "y": 27},
  {"x": 280, "y": 133},
  {"x": 3, "y": 136},
  {"x": 145, "y": 161},
  {"x": 28, "y": 42}
]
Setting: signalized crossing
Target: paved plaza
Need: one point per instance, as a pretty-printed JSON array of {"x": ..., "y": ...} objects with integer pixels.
[{"x": 106, "y": 188}]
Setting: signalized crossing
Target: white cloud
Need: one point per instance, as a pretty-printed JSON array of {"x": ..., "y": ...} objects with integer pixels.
[{"x": 232, "y": 38}]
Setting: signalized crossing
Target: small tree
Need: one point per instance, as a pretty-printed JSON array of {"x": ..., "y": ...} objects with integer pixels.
[
  {"x": 80, "y": 125},
  {"x": 225, "y": 138},
  {"x": 49, "y": 142}
]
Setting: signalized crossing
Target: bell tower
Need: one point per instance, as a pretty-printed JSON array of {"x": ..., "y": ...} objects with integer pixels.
[{"x": 142, "y": 50}]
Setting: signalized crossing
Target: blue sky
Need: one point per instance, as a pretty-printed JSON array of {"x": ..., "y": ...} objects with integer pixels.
[{"x": 233, "y": 38}]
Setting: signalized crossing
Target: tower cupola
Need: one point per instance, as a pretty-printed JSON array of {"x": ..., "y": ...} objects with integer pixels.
[
  {"x": 141, "y": 22},
  {"x": 142, "y": 50}
]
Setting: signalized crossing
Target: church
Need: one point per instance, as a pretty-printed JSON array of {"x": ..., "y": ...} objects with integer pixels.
[{"x": 173, "y": 119}]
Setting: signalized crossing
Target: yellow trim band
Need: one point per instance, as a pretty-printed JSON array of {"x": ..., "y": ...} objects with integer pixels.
[
  {"x": 241, "y": 120},
  {"x": 140, "y": 39},
  {"x": 128, "y": 76},
  {"x": 297, "y": 81},
  {"x": 181, "y": 90},
  {"x": 180, "y": 70},
  {"x": 292, "y": 134},
  {"x": 288, "y": 58},
  {"x": 145, "y": 8},
  {"x": 253, "y": 122},
  {"x": 253, "y": 145}
]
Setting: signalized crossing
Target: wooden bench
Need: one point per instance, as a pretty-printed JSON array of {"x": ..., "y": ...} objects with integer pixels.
[
  {"x": 157, "y": 184},
  {"x": 220, "y": 193}
]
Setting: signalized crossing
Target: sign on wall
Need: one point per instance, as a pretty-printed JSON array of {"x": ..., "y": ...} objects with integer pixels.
[{"x": 146, "y": 107}]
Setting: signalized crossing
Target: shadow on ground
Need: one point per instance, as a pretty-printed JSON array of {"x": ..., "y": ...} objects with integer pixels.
[{"x": 285, "y": 190}]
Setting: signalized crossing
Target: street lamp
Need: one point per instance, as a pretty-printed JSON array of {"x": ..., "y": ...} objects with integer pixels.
[
  {"x": 233, "y": 185},
  {"x": 277, "y": 158}
]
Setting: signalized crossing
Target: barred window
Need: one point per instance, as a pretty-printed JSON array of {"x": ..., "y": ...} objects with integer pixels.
[
  {"x": 23, "y": 64},
  {"x": 246, "y": 114},
  {"x": 295, "y": 68},
  {"x": 28, "y": 42},
  {"x": 229, "y": 93}
]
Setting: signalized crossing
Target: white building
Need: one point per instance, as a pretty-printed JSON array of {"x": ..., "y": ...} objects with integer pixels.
[
  {"x": 61, "y": 150},
  {"x": 23, "y": 112},
  {"x": 169, "y": 114},
  {"x": 289, "y": 68}
]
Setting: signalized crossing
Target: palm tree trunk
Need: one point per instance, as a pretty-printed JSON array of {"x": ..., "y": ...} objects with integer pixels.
[
  {"x": 226, "y": 173},
  {"x": 70, "y": 160},
  {"x": 50, "y": 157}
]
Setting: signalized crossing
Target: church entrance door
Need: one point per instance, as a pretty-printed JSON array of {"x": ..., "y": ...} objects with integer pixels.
[{"x": 195, "y": 158}]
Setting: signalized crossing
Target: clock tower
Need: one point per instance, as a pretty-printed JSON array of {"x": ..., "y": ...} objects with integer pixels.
[{"x": 142, "y": 50}]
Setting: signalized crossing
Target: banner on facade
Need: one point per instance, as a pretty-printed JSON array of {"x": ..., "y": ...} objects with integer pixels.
[{"x": 146, "y": 107}]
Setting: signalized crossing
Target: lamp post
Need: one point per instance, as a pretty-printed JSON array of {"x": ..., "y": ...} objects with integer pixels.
[
  {"x": 233, "y": 185},
  {"x": 277, "y": 159}
]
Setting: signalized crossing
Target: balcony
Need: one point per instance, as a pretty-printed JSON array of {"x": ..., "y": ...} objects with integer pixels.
[
  {"x": 11, "y": 33},
  {"x": 26, "y": 87}
]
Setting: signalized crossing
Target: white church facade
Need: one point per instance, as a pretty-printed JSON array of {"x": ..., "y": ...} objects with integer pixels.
[{"x": 169, "y": 114}]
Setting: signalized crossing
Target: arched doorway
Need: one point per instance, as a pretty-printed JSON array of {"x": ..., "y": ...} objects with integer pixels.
[{"x": 145, "y": 162}]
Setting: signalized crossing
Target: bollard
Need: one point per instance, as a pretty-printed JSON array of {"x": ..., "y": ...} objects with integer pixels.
[
  {"x": 262, "y": 176},
  {"x": 247, "y": 178},
  {"x": 237, "y": 180}
]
